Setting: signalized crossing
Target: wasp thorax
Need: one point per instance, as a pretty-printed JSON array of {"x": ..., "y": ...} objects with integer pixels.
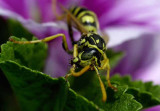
[{"x": 92, "y": 40}]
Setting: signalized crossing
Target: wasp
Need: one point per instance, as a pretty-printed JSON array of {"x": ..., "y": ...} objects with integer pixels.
[{"x": 89, "y": 51}]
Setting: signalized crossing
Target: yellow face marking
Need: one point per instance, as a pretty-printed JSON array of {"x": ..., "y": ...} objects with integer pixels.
[
  {"x": 86, "y": 43},
  {"x": 87, "y": 19},
  {"x": 94, "y": 46},
  {"x": 80, "y": 54},
  {"x": 93, "y": 40},
  {"x": 89, "y": 34},
  {"x": 84, "y": 63},
  {"x": 83, "y": 41},
  {"x": 103, "y": 45},
  {"x": 97, "y": 41},
  {"x": 75, "y": 60}
]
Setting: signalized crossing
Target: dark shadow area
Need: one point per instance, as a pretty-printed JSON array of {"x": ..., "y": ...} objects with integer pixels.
[{"x": 8, "y": 100}]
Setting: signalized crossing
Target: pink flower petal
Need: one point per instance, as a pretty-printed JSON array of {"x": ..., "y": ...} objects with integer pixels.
[
  {"x": 118, "y": 35},
  {"x": 41, "y": 30},
  {"x": 46, "y": 11},
  {"x": 152, "y": 71},
  {"x": 100, "y": 7},
  {"x": 140, "y": 13},
  {"x": 142, "y": 58},
  {"x": 155, "y": 108},
  {"x": 19, "y": 6},
  {"x": 57, "y": 63}
]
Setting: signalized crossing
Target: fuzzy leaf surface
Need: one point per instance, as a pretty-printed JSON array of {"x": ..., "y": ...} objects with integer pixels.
[
  {"x": 30, "y": 55},
  {"x": 88, "y": 86},
  {"x": 36, "y": 91},
  {"x": 145, "y": 93}
]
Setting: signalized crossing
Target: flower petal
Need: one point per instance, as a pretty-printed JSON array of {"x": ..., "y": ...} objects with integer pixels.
[
  {"x": 142, "y": 58},
  {"x": 46, "y": 11},
  {"x": 135, "y": 12},
  {"x": 57, "y": 63},
  {"x": 40, "y": 30},
  {"x": 18, "y": 6},
  {"x": 100, "y": 7},
  {"x": 118, "y": 35},
  {"x": 39, "y": 10},
  {"x": 155, "y": 108}
]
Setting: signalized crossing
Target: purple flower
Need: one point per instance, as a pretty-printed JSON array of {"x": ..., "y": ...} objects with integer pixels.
[
  {"x": 142, "y": 58},
  {"x": 156, "y": 108},
  {"x": 123, "y": 20},
  {"x": 133, "y": 27}
]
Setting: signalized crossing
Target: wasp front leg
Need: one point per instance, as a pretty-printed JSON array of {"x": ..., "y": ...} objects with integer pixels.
[
  {"x": 55, "y": 11},
  {"x": 70, "y": 30},
  {"x": 105, "y": 65},
  {"x": 72, "y": 70},
  {"x": 79, "y": 26},
  {"x": 47, "y": 39},
  {"x": 104, "y": 94}
]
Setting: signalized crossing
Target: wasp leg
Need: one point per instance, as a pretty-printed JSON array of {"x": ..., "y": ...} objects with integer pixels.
[
  {"x": 72, "y": 70},
  {"x": 75, "y": 50},
  {"x": 80, "y": 27},
  {"x": 60, "y": 17},
  {"x": 70, "y": 31},
  {"x": 77, "y": 74},
  {"x": 54, "y": 8},
  {"x": 106, "y": 65},
  {"x": 47, "y": 39},
  {"x": 75, "y": 53},
  {"x": 104, "y": 94}
]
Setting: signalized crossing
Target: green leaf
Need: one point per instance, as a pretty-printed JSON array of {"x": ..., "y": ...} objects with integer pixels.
[
  {"x": 79, "y": 103},
  {"x": 30, "y": 55},
  {"x": 36, "y": 91},
  {"x": 88, "y": 86},
  {"x": 114, "y": 57},
  {"x": 145, "y": 93}
]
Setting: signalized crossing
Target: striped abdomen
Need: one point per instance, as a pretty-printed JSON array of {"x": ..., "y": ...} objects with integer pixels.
[{"x": 86, "y": 17}]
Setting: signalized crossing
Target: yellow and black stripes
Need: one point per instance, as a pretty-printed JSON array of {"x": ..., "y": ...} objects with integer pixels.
[
  {"x": 92, "y": 40},
  {"x": 86, "y": 17}
]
